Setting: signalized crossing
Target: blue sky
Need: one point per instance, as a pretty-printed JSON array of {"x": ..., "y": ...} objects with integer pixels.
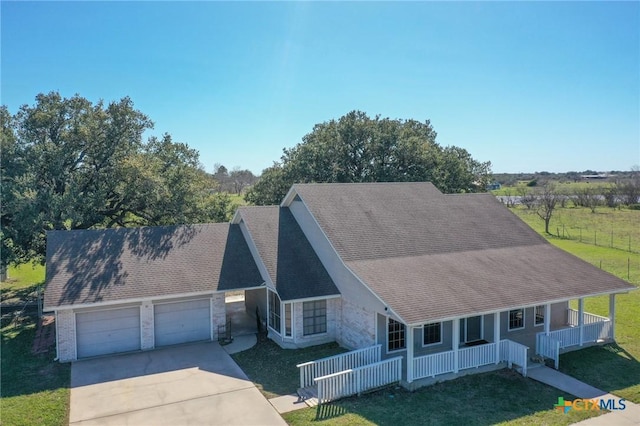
[{"x": 528, "y": 86}]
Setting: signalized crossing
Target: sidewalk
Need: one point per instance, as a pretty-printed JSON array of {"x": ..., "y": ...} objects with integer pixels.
[{"x": 630, "y": 416}]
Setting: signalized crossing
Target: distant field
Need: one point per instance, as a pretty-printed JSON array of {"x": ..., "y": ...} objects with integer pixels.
[
  {"x": 564, "y": 187},
  {"x": 607, "y": 227}
]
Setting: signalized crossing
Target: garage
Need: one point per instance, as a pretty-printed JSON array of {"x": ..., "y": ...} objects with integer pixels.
[
  {"x": 108, "y": 331},
  {"x": 182, "y": 322}
]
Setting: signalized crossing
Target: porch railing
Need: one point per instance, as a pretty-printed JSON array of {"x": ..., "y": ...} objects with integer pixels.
[
  {"x": 548, "y": 347},
  {"x": 357, "y": 380},
  {"x": 472, "y": 357},
  {"x": 338, "y": 363},
  {"x": 514, "y": 353},
  {"x": 572, "y": 317},
  {"x": 477, "y": 356}
]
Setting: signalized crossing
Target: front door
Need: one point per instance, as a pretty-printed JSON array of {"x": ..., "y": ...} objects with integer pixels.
[{"x": 473, "y": 328}]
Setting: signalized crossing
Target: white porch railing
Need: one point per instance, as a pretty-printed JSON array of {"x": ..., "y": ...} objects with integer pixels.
[
  {"x": 472, "y": 357},
  {"x": 572, "y": 317},
  {"x": 432, "y": 365},
  {"x": 337, "y": 363},
  {"x": 357, "y": 380},
  {"x": 548, "y": 347},
  {"x": 594, "y": 329},
  {"x": 476, "y": 356},
  {"x": 514, "y": 353}
]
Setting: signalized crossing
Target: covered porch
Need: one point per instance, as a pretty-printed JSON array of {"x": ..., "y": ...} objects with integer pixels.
[
  {"x": 461, "y": 346},
  {"x": 581, "y": 329}
]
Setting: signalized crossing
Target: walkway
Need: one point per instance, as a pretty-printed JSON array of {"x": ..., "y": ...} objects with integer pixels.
[{"x": 630, "y": 416}]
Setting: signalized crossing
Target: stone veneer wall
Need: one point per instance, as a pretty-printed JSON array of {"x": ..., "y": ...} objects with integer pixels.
[{"x": 66, "y": 337}]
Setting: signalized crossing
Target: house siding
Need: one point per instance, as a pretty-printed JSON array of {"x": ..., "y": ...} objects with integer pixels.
[
  {"x": 147, "y": 332},
  {"x": 527, "y": 335},
  {"x": 66, "y": 329}
]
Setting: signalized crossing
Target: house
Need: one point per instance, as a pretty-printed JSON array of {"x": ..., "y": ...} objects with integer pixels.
[{"x": 447, "y": 282}]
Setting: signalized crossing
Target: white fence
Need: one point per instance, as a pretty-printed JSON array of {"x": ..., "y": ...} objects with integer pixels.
[
  {"x": 357, "y": 380},
  {"x": 432, "y": 365},
  {"x": 572, "y": 317},
  {"x": 514, "y": 353},
  {"x": 592, "y": 331},
  {"x": 337, "y": 363},
  {"x": 472, "y": 357},
  {"x": 548, "y": 347}
]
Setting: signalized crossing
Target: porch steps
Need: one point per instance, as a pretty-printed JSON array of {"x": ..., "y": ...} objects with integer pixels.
[{"x": 309, "y": 395}]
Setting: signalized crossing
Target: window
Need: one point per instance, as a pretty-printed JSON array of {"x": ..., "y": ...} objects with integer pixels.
[
  {"x": 432, "y": 333},
  {"x": 274, "y": 311},
  {"x": 314, "y": 316},
  {"x": 395, "y": 335},
  {"x": 539, "y": 311},
  {"x": 287, "y": 319},
  {"x": 516, "y": 319}
]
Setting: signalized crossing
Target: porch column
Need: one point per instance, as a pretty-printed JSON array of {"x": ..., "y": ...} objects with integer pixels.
[
  {"x": 496, "y": 334},
  {"x": 547, "y": 318},
  {"x": 581, "y": 318},
  {"x": 410, "y": 355},
  {"x": 612, "y": 314},
  {"x": 455, "y": 342}
]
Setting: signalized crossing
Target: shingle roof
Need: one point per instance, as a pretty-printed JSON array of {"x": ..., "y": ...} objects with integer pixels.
[
  {"x": 429, "y": 255},
  {"x": 88, "y": 266},
  {"x": 290, "y": 260}
]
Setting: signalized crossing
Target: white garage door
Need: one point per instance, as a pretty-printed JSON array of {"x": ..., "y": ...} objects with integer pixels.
[
  {"x": 108, "y": 331},
  {"x": 182, "y": 322}
]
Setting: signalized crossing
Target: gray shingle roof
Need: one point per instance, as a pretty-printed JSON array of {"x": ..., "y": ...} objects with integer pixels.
[
  {"x": 88, "y": 266},
  {"x": 430, "y": 255},
  {"x": 286, "y": 253}
]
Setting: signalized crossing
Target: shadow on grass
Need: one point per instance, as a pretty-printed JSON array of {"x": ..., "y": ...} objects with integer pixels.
[
  {"x": 24, "y": 373},
  {"x": 21, "y": 295},
  {"x": 609, "y": 367},
  {"x": 489, "y": 398}
]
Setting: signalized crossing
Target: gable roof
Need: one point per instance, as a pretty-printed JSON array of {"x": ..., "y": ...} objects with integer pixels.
[
  {"x": 431, "y": 256},
  {"x": 106, "y": 265},
  {"x": 291, "y": 262}
]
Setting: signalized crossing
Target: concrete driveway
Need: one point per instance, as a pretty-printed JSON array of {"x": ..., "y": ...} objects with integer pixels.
[{"x": 196, "y": 384}]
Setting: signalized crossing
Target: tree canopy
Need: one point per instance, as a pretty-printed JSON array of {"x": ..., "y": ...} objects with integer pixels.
[
  {"x": 357, "y": 148},
  {"x": 70, "y": 164}
]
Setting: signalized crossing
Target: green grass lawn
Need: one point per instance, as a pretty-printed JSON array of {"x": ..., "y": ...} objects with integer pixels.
[
  {"x": 614, "y": 368},
  {"x": 35, "y": 389},
  {"x": 502, "y": 397},
  {"x": 273, "y": 369}
]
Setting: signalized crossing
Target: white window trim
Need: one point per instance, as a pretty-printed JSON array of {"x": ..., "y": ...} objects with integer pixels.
[
  {"x": 284, "y": 320},
  {"x": 278, "y": 332},
  {"x": 326, "y": 331},
  {"x": 535, "y": 316},
  {"x": 405, "y": 337},
  {"x": 434, "y": 343},
  {"x": 524, "y": 319}
]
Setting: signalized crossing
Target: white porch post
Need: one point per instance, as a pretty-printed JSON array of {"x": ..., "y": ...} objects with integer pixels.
[
  {"x": 547, "y": 318},
  {"x": 410, "y": 355},
  {"x": 612, "y": 314},
  {"x": 581, "y": 318},
  {"x": 455, "y": 339},
  {"x": 496, "y": 334}
]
